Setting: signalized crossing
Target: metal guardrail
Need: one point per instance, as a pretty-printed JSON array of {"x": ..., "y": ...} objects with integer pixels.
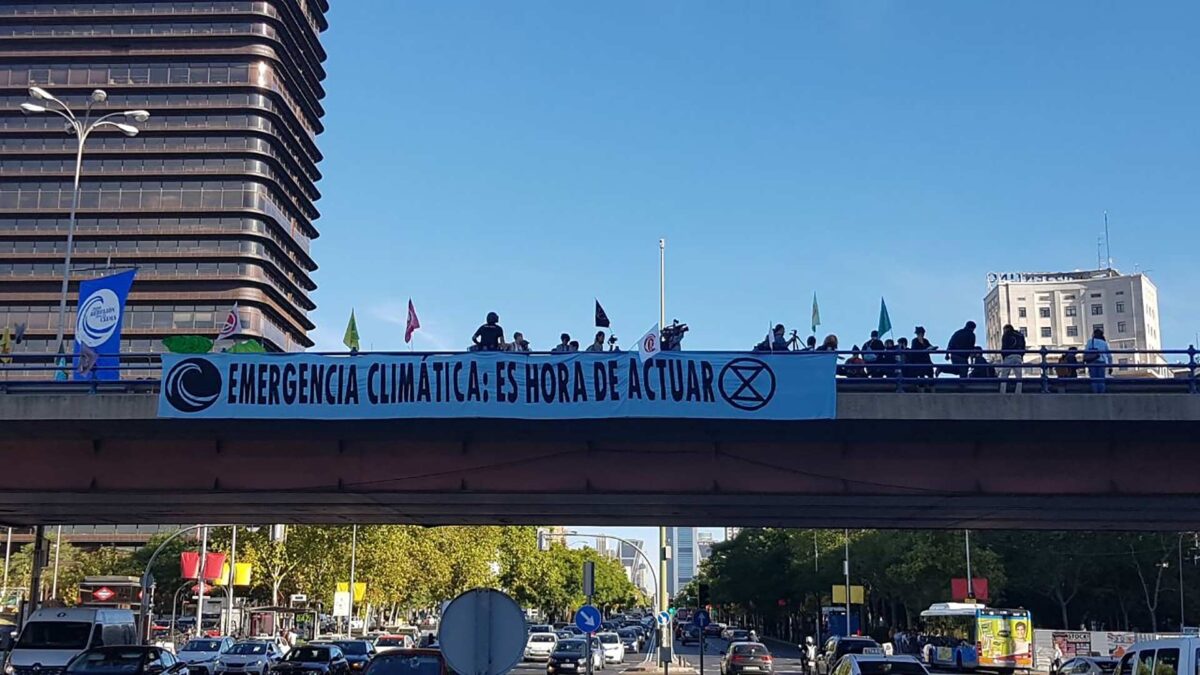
[{"x": 1039, "y": 371}]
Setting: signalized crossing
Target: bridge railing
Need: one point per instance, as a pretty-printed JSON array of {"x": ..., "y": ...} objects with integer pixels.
[{"x": 1043, "y": 370}]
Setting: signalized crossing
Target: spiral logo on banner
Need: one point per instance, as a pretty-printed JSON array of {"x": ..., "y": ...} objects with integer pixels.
[
  {"x": 98, "y": 318},
  {"x": 192, "y": 385}
]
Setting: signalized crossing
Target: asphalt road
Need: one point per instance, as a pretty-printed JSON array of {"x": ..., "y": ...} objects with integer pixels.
[
  {"x": 787, "y": 657},
  {"x": 539, "y": 667}
]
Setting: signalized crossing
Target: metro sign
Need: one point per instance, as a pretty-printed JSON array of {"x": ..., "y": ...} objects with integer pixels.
[{"x": 103, "y": 594}]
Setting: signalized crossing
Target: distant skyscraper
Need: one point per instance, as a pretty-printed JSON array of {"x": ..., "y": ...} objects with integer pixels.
[{"x": 684, "y": 558}]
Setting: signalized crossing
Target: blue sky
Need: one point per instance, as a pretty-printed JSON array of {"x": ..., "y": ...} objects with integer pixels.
[{"x": 525, "y": 157}]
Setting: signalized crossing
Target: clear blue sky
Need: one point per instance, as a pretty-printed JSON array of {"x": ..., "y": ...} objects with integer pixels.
[{"x": 525, "y": 157}]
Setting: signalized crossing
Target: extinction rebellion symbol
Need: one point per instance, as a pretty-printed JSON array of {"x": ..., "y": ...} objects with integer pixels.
[
  {"x": 747, "y": 384},
  {"x": 192, "y": 385}
]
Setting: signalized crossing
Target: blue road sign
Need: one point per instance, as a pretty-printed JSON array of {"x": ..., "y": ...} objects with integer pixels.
[
  {"x": 588, "y": 619},
  {"x": 664, "y": 618},
  {"x": 701, "y": 618}
]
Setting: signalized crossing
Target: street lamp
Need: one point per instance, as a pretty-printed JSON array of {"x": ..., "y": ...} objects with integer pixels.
[{"x": 81, "y": 129}]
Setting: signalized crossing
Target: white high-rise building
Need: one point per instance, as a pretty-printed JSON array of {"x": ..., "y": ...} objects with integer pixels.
[
  {"x": 1060, "y": 310},
  {"x": 684, "y": 558}
]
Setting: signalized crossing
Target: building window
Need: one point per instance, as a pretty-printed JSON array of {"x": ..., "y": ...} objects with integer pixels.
[
  {"x": 1068, "y": 297},
  {"x": 1123, "y": 362},
  {"x": 1046, "y": 332},
  {"x": 1120, "y": 308},
  {"x": 1021, "y": 312},
  {"x": 1069, "y": 311},
  {"x": 1097, "y": 310},
  {"x": 1044, "y": 312},
  {"x": 1024, "y": 331},
  {"x": 1095, "y": 295},
  {"x": 1072, "y": 331},
  {"x": 1120, "y": 292},
  {"x": 1120, "y": 326}
]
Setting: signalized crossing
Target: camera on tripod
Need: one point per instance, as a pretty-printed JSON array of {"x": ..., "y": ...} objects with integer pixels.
[{"x": 672, "y": 336}]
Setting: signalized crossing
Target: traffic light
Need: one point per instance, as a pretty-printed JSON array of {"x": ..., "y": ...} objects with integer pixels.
[{"x": 702, "y": 592}]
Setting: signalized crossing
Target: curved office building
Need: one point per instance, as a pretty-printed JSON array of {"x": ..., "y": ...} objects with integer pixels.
[{"x": 213, "y": 202}]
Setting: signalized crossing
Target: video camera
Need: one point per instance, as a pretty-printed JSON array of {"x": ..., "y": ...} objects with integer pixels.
[{"x": 672, "y": 336}]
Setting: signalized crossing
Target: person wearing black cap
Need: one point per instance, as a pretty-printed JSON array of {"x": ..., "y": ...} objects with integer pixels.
[{"x": 921, "y": 365}]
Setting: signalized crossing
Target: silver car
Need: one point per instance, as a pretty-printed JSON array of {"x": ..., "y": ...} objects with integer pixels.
[
  {"x": 201, "y": 654},
  {"x": 251, "y": 656}
]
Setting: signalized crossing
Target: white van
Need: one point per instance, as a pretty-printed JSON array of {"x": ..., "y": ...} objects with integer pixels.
[
  {"x": 52, "y": 637},
  {"x": 1164, "y": 656}
]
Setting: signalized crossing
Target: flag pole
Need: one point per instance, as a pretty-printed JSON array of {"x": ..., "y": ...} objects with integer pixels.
[
  {"x": 662, "y": 284},
  {"x": 665, "y": 643}
]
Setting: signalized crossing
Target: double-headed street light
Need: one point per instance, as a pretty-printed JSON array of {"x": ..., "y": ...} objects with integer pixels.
[{"x": 81, "y": 129}]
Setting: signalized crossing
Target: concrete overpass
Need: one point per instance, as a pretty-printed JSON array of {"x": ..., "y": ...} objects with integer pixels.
[{"x": 939, "y": 460}]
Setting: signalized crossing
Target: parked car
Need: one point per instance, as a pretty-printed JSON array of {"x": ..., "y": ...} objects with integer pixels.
[
  {"x": 1086, "y": 665},
  {"x": 540, "y": 646},
  {"x": 201, "y": 654},
  {"x": 126, "y": 660},
  {"x": 746, "y": 657},
  {"x": 323, "y": 659},
  {"x": 409, "y": 662},
  {"x": 570, "y": 656},
  {"x": 836, "y": 647},
  {"x": 879, "y": 664},
  {"x": 249, "y": 656},
  {"x": 614, "y": 650}
]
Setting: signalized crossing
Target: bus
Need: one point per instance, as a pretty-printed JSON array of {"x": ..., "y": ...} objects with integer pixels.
[{"x": 966, "y": 636}]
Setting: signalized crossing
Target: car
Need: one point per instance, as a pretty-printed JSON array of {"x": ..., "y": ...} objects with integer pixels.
[
  {"x": 249, "y": 656},
  {"x": 879, "y": 664},
  {"x": 691, "y": 635},
  {"x": 725, "y": 631},
  {"x": 738, "y": 635},
  {"x": 540, "y": 646},
  {"x": 540, "y": 628},
  {"x": 1086, "y": 665},
  {"x": 409, "y": 662},
  {"x": 564, "y": 634},
  {"x": 318, "y": 659},
  {"x": 574, "y": 630},
  {"x": 610, "y": 643},
  {"x": 127, "y": 660},
  {"x": 201, "y": 654},
  {"x": 570, "y": 656},
  {"x": 630, "y": 640},
  {"x": 746, "y": 657},
  {"x": 358, "y": 653},
  {"x": 714, "y": 629},
  {"x": 838, "y": 646},
  {"x": 394, "y": 641}
]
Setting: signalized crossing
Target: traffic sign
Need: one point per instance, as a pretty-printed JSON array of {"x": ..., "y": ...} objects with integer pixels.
[
  {"x": 482, "y": 632},
  {"x": 701, "y": 618},
  {"x": 663, "y": 618},
  {"x": 588, "y": 619},
  {"x": 341, "y": 603}
]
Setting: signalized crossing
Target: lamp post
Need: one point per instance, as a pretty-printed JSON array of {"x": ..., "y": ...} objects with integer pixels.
[{"x": 81, "y": 129}]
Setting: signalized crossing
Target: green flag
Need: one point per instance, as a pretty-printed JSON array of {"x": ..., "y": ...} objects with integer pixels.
[
  {"x": 188, "y": 344},
  {"x": 351, "y": 338},
  {"x": 816, "y": 315},
  {"x": 885, "y": 321},
  {"x": 247, "y": 347}
]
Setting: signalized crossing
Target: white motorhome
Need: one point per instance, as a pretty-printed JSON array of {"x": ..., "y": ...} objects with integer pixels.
[{"x": 52, "y": 637}]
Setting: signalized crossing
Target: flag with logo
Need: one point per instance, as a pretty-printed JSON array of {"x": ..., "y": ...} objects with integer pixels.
[
  {"x": 98, "y": 324},
  {"x": 649, "y": 345},
  {"x": 232, "y": 325},
  {"x": 816, "y": 315},
  {"x": 601, "y": 317},
  {"x": 350, "y": 339},
  {"x": 6, "y": 344},
  {"x": 885, "y": 321},
  {"x": 412, "y": 323}
]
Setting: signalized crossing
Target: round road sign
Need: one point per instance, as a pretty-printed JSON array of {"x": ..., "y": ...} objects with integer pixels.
[{"x": 482, "y": 632}]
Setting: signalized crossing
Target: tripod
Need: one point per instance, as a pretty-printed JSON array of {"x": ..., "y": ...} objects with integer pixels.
[{"x": 794, "y": 344}]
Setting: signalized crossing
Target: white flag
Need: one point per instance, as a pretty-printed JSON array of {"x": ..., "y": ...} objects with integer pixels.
[
  {"x": 649, "y": 345},
  {"x": 232, "y": 325}
]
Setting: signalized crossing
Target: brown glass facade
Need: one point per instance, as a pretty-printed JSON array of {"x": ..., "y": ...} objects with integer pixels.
[{"x": 213, "y": 202}]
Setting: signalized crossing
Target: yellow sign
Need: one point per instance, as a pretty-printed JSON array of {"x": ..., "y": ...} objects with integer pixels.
[
  {"x": 241, "y": 574},
  {"x": 856, "y": 595},
  {"x": 360, "y": 589}
]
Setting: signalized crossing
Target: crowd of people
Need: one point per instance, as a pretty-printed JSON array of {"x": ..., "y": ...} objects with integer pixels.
[{"x": 877, "y": 357}]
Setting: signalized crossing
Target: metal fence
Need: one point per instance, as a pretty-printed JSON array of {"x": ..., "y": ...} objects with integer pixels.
[{"x": 1044, "y": 371}]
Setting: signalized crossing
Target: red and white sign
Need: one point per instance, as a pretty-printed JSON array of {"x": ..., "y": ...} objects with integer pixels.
[{"x": 103, "y": 594}]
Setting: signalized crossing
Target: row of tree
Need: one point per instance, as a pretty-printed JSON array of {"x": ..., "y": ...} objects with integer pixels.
[
  {"x": 779, "y": 579},
  {"x": 405, "y": 568}
]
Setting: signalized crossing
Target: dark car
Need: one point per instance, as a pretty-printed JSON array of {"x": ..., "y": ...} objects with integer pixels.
[
  {"x": 409, "y": 662},
  {"x": 358, "y": 653},
  {"x": 630, "y": 640},
  {"x": 1086, "y": 665},
  {"x": 691, "y": 634},
  {"x": 327, "y": 659},
  {"x": 837, "y": 647},
  {"x": 570, "y": 656},
  {"x": 746, "y": 657},
  {"x": 738, "y": 635},
  {"x": 132, "y": 660},
  {"x": 713, "y": 630}
]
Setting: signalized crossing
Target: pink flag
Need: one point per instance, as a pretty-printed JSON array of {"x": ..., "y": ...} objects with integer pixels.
[
  {"x": 232, "y": 325},
  {"x": 413, "y": 322}
]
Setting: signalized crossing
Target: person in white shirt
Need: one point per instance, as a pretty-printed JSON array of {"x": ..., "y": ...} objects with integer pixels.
[{"x": 1098, "y": 359}]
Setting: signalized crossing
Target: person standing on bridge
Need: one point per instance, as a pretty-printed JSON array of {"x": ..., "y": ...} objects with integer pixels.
[
  {"x": 564, "y": 345},
  {"x": 598, "y": 345},
  {"x": 920, "y": 365},
  {"x": 489, "y": 336},
  {"x": 1098, "y": 357},
  {"x": 961, "y": 344},
  {"x": 1012, "y": 348}
]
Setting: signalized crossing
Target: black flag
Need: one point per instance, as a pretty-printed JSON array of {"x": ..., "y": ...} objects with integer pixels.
[{"x": 601, "y": 317}]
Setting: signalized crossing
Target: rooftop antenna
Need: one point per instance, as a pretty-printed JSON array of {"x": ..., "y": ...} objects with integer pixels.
[
  {"x": 1107, "y": 243},
  {"x": 1099, "y": 253}
]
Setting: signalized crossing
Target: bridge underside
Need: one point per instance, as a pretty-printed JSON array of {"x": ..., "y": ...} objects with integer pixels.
[{"x": 1103, "y": 475}]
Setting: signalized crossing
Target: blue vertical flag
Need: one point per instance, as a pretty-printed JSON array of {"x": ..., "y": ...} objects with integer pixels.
[
  {"x": 98, "y": 326},
  {"x": 885, "y": 321}
]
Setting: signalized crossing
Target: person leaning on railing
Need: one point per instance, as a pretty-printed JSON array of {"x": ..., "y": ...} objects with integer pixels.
[
  {"x": 1068, "y": 367},
  {"x": 1099, "y": 358}
]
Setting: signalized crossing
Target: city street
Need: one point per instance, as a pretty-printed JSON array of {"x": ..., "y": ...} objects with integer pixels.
[
  {"x": 539, "y": 667},
  {"x": 787, "y": 657}
]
